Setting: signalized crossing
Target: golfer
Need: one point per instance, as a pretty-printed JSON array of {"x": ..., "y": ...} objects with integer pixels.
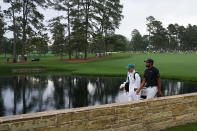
[
  {"x": 151, "y": 80},
  {"x": 133, "y": 81}
]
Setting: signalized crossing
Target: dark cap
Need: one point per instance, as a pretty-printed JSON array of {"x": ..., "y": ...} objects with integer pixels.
[{"x": 149, "y": 61}]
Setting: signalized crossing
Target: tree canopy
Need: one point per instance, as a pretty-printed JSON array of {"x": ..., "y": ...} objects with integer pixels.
[
  {"x": 84, "y": 27},
  {"x": 174, "y": 37}
]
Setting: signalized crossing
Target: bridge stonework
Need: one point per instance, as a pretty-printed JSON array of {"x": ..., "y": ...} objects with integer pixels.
[{"x": 146, "y": 115}]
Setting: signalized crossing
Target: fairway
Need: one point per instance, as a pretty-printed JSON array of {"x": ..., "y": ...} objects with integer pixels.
[{"x": 171, "y": 66}]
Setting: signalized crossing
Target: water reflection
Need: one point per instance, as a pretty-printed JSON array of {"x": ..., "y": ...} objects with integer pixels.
[
  {"x": 170, "y": 88},
  {"x": 25, "y": 94}
]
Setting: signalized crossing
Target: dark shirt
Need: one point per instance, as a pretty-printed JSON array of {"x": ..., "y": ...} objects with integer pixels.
[{"x": 151, "y": 76}]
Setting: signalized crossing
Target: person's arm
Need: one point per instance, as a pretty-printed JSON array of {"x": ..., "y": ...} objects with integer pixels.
[
  {"x": 159, "y": 86},
  {"x": 158, "y": 83},
  {"x": 122, "y": 86},
  {"x": 141, "y": 86},
  {"x": 137, "y": 81}
]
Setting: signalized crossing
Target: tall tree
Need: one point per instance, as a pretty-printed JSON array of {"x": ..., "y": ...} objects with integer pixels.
[
  {"x": 116, "y": 42},
  {"x": 2, "y": 30},
  {"x": 110, "y": 15},
  {"x": 58, "y": 36},
  {"x": 88, "y": 13},
  {"x": 78, "y": 35},
  {"x": 67, "y": 7},
  {"x": 12, "y": 13},
  {"x": 157, "y": 33},
  {"x": 191, "y": 37},
  {"x": 173, "y": 36},
  {"x": 181, "y": 36},
  {"x": 138, "y": 42},
  {"x": 89, "y": 21},
  {"x": 31, "y": 19},
  {"x": 37, "y": 45},
  {"x": 2, "y": 25}
]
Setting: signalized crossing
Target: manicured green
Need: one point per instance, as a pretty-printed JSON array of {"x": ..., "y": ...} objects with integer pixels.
[
  {"x": 171, "y": 66},
  {"x": 188, "y": 127}
]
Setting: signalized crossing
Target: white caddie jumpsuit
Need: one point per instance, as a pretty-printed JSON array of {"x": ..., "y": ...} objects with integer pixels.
[{"x": 133, "y": 83}]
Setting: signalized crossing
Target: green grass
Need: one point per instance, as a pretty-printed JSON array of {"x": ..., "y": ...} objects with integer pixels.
[
  {"x": 188, "y": 127},
  {"x": 171, "y": 66}
]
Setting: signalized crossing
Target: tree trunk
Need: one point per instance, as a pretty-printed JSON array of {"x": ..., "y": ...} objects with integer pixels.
[
  {"x": 5, "y": 49},
  {"x": 105, "y": 46},
  {"x": 87, "y": 25},
  {"x": 14, "y": 34},
  {"x": 86, "y": 55},
  {"x": 103, "y": 34},
  {"x": 24, "y": 24},
  {"x": 69, "y": 44},
  {"x": 76, "y": 55},
  {"x": 23, "y": 46}
]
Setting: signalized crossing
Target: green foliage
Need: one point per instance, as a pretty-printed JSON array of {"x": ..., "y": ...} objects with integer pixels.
[
  {"x": 2, "y": 25},
  {"x": 12, "y": 13},
  {"x": 58, "y": 32},
  {"x": 138, "y": 42},
  {"x": 157, "y": 33},
  {"x": 108, "y": 19},
  {"x": 116, "y": 43},
  {"x": 190, "y": 42},
  {"x": 84, "y": 27},
  {"x": 27, "y": 21},
  {"x": 174, "y": 37},
  {"x": 3, "y": 40},
  {"x": 37, "y": 45},
  {"x": 30, "y": 17},
  {"x": 88, "y": 23}
]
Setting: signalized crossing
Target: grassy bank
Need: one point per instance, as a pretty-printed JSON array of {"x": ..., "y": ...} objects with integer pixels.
[
  {"x": 172, "y": 66},
  {"x": 188, "y": 127}
]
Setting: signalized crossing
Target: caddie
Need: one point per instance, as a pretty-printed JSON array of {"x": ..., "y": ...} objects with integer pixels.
[{"x": 132, "y": 83}]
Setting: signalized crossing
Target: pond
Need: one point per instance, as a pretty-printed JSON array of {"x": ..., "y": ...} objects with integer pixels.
[{"x": 26, "y": 94}]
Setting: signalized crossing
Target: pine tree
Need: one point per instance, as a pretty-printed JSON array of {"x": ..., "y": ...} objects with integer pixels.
[
  {"x": 12, "y": 13},
  {"x": 31, "y": 19},
  {"x": 110, "y": 15},
  {"x": 58, "y": 35},
  {"x": 66, "y": 6}
]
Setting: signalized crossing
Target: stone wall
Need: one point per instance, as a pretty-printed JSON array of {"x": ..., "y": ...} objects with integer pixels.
[{"x": 146, "y": 115}]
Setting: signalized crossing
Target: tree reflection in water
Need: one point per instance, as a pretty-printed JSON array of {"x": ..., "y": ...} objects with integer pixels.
[{"x": 25, "y": 94}]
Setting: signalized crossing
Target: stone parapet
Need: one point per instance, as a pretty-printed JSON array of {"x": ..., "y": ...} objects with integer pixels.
[{"x": 145, "y": 115}]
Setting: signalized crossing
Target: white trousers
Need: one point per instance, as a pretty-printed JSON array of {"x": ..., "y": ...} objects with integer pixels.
[
  {"x": 151, "y": 92},
  {"x": 132, "y": 96}
]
